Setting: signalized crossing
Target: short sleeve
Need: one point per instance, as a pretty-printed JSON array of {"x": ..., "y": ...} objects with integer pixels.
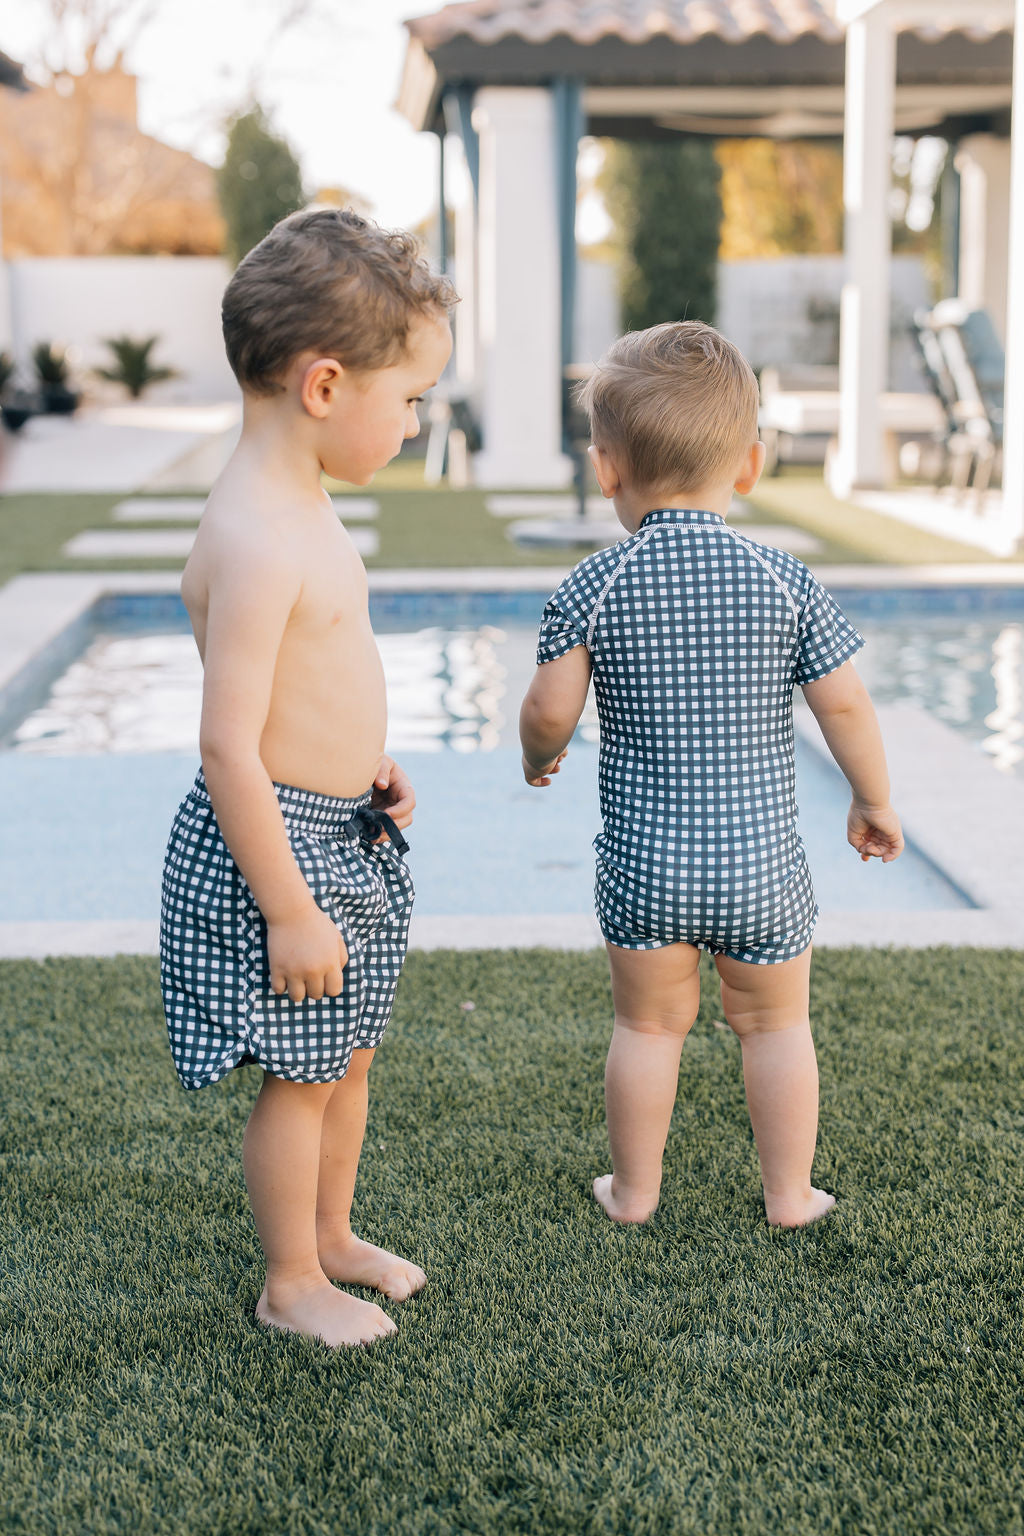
[
  {"x": 827, "y": 638},
  {"x": 562, "y": 627}
]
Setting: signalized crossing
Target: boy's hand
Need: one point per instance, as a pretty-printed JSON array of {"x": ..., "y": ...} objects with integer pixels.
[
  {"x": 307, "y": 955},
  {"x": 540, "y": 777},
  {"x": 392, "y": 792},
  {"x": 874, "y": 830}
]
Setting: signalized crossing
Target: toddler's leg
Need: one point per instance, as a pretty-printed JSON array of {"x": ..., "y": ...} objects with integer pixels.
[
  {"x": 344, "y": 1256},
  {"x": 768, "y": 1008},
  {"x": 281, "y": 1153},
  {"x": 656, "y": 993}
]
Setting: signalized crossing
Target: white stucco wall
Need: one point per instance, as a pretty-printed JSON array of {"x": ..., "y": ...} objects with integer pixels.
[
  {"x": 767, "y": 308},
  {"x": 77, "y": 301}
]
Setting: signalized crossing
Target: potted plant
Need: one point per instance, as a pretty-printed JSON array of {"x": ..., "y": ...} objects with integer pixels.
[
  {"x": 132, "y": 366},
  {"x": 51, "y": 365}
]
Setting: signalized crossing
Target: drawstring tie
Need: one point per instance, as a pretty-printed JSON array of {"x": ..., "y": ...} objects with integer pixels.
[{"x": 367, "y": 825}]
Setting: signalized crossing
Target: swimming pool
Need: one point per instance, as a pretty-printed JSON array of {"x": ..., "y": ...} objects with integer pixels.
[
  {"x": 100, "y": 732},
  {"x": 128, "y": 678}
]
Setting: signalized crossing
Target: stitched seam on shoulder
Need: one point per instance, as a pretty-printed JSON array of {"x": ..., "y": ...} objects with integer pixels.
[
  {"x": 787, "y": 594},
  {"x": 612, "y": 579}
]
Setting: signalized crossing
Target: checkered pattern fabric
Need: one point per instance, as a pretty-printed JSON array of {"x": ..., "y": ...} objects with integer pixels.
[
  {"x": 697, "y": 637},
  {"x": 213, "y": 945}
]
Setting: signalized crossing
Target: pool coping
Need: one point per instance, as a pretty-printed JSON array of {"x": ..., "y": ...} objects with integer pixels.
[{"x": 964, "y": 816}]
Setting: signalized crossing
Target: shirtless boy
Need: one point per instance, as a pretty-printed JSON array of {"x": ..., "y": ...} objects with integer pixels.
[
  {"x": 695, "y": 637},
  {"x": 286, "y": 900}
]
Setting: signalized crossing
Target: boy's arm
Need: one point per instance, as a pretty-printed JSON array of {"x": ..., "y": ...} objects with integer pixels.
[
  {"x": 551, "y": 712},
  {"x": 246, "y": 618},
  {"x": 842, "y": 707}
]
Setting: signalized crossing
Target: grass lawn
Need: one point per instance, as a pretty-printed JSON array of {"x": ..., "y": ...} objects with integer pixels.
[
  {"x": 420, "y": 527},
  {"x": 703, "y": 1374}
]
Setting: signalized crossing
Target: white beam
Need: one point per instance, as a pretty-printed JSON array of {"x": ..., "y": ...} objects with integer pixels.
[
  {"x": 864, "y": 305},
  {"x": 1013, "y": 415}
]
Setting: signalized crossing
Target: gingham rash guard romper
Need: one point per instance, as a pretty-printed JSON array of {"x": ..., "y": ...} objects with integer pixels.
[{"x": 697, "y": 636}]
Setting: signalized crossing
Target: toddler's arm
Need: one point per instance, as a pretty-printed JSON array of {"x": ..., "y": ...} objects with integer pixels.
[
  {"x": 250, "y": 602},
  {"x": 843, "y": 709},
  {"x": 551, "y": 712}
]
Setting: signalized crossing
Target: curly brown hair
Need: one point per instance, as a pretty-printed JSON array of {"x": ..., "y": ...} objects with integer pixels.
[{"x": 329, "y": 281}]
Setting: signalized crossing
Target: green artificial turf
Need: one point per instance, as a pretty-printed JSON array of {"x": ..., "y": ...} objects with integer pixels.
[
  {"x": 422, "y": 527},
  {"x": 703, "y": 1374}
]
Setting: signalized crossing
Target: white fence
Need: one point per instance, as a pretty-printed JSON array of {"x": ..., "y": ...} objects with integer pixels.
[
  {"x": 786, "y": 311},
  {"x": 779, "y": 312},
  {"x": 78, "y": 301}
]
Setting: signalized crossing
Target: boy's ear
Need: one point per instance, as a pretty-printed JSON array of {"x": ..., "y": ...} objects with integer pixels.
[
  {"x": 319, "y": 380},
  {"x": 750, "y": 472},
  {"x": 605, "y": 473}
]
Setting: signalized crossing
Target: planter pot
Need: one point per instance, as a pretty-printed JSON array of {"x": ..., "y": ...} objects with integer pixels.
[
  {"x": 58, "y": 400},
  {"x": 15, "y": 411}
]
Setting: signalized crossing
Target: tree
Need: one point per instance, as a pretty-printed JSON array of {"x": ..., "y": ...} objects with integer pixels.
[
  {"x": 663, "y": 200},
  {"x": 780, "y": 198},
  {"x": 259, "y": 182}
]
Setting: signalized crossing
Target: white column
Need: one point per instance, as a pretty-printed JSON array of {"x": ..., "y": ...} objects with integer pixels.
[
  {"x": 984, "y": 165},
  {"x": 864, "y": 304},
  {"x": 467, "y": 352},
  {"x": 1013, "y": 415},
  {"x": 518, "y": 291}
]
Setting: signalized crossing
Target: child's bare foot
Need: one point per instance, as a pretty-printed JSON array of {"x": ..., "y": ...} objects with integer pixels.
[
  {"x": 354, "y": 1262},
  {"x": 321, "y": 1312},
  {"x": 616, "y": 1207},
  {"x": 800, "y": 1212}
]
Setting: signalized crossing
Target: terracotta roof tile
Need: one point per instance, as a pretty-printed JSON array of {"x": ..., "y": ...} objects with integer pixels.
[{"x": 641, "y": 21}]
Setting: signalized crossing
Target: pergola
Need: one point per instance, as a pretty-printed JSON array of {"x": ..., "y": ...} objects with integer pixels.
[{"x": 519, "y": 81}]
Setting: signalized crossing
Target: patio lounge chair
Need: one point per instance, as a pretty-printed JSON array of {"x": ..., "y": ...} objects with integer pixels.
[
  {"x": 963, "y": 360},
  {"x": 799, "y": 415}
]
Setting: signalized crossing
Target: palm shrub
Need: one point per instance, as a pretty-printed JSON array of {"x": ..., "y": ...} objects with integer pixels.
[
  {"x": 50, "y": 363},
  {"x": 132, "y": 366}
]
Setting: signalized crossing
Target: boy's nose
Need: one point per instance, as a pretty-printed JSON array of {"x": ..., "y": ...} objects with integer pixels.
[{"x": 413, "y": 427}]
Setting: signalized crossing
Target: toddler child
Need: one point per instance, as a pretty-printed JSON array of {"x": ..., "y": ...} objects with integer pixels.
[
  {"x": 695, "y": 637},
  {"x": 286, "y": 901}
]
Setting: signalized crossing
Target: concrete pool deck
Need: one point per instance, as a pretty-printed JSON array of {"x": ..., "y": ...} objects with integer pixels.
[{"x": 960, "y": 813}]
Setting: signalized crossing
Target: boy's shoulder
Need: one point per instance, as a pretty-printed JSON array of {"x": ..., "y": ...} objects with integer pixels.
[
  {"x": 788, "y": 567},
  {"x": 598, "y": 566}
]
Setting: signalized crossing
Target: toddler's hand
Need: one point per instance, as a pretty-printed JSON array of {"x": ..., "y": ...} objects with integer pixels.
[
  {"x": 874, "y": 830},
  {"x": 307, "y": 956},
  {"x": 540, "y": 777}
]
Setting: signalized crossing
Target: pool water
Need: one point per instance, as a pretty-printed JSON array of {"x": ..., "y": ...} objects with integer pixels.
[
  {"x": 101, "y": 744},
  {"x": 457, "y": 687}
]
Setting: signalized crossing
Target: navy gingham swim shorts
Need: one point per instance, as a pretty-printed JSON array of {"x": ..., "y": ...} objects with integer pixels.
[{"x": 214, "y": 970}]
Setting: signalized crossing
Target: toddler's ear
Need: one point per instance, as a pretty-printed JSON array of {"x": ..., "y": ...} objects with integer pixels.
[
  {"x": 605, "y": 473},
  {"x": 750, "y": 472},
  {"x": 319, "y": 379}
]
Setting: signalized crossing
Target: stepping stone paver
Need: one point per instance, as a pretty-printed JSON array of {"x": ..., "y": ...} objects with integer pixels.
[
  {"x": 167, "y": 509},
  {"x": 166, "y": 543}
]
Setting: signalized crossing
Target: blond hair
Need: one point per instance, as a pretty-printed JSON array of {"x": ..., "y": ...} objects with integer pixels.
[
  {"x": 327, "y": 281},
  {"x": 675, "y": 405}
]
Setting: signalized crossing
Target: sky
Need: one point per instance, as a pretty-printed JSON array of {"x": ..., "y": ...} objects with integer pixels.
[{"x": 328, "y": 81}]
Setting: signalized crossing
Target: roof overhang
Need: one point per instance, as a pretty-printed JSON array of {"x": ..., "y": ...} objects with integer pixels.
[{"x": 753, "y": 86}]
